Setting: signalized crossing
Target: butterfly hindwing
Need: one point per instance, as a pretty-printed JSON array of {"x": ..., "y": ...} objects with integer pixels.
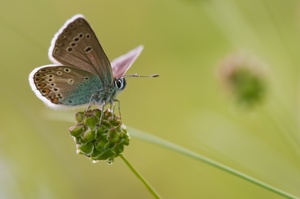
[{"x": 65, "y": 85}]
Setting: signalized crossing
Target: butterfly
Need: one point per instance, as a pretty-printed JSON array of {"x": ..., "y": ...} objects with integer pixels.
[{"x": 81, "y": 73}]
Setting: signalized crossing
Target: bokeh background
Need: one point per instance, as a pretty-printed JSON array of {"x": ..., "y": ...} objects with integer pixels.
[{"x": 185, "y": 42}]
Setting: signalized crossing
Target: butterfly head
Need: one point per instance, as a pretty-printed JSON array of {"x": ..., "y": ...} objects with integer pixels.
[{"x": 119, "y": 84}]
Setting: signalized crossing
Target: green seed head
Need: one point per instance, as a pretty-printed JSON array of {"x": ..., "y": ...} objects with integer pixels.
[{"x": 99, "y": 140}]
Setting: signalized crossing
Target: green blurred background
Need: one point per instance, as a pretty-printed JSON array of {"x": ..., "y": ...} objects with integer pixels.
[{"x": 185, "y": 40}]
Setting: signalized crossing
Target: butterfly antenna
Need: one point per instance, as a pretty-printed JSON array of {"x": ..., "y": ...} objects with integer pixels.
[{"x": 137, "y": 75}]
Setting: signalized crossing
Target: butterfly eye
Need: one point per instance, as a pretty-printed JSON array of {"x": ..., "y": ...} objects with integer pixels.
[{"x": 120, "y": 83}]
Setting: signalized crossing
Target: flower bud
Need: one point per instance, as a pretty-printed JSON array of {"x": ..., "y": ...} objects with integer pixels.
[
  {"x": 86, "y": 148},
  {"x": 79, "y": 116},
  {"x": 77, "y": 131},
  {"x": 89, "y": 135}
]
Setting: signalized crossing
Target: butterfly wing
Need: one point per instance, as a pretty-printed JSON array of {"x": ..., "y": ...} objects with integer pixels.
[
  {"x": 121, "y": 64},
  {"x": 76, "y": 44},
  {"x": 63, "y": 86}
]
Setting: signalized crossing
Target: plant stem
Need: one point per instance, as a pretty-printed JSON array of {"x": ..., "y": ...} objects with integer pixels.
[
  {"x": 148, "y": 186},
  {"x": 182, "y": 150}
]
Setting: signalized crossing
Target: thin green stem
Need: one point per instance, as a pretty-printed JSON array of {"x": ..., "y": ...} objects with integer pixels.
[
  {"x": 182, "y": 150},
  {"x": 148, "y": 186}
]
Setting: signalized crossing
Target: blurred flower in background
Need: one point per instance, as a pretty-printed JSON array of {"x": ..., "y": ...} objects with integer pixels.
[{"x": 244, "y": 77}]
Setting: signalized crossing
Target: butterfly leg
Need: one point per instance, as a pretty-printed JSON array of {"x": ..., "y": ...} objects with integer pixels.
[
  {"x": 101, "y": 109},
  {"x": 90, "y": 104},
  {"x": 92, "y": 99},
  {"x": 119, "y": 107},
  {"x": 112, "y": 108}
]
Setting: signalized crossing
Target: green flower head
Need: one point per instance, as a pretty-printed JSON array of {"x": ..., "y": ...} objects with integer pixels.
[{"x": 99, "y": 140}]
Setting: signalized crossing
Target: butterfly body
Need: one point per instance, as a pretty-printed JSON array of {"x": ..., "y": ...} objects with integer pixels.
[{"x": 81, "y": 72}]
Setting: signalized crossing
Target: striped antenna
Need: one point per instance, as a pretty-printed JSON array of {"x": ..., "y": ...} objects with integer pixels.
[{"x": 137, "y": 75}]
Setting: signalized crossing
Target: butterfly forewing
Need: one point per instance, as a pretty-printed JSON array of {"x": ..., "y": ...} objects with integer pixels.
[{"x": 77, "y": 45}]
